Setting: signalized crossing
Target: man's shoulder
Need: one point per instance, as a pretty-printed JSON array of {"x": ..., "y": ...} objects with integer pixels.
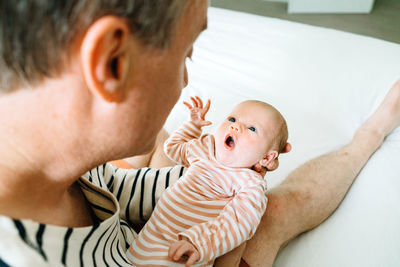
[{"x": 100, "y": 175}]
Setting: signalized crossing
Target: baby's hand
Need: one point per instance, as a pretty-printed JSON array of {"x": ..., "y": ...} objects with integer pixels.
[
  {"x": 183, "y": 250},
  {"x": 197, "y": 112}
]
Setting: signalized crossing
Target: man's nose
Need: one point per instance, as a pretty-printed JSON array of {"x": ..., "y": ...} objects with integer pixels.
[{"x": 185, "y": 77}]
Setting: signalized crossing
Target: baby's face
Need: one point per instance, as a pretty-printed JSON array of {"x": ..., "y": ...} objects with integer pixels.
[{"x": 246, "y": 135}]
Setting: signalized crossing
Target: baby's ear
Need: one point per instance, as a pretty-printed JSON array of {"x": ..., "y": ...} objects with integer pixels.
[
  {"x": 269, "y": 161},
  {"x": 287, "y": 148}
]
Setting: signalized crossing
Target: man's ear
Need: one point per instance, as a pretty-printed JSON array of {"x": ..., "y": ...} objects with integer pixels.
[
  {"x": 269, "y": 160},
  {"x": 105, "y": 58}
]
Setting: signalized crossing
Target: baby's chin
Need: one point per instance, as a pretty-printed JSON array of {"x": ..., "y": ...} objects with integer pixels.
[{"x": 232, "y": 163}]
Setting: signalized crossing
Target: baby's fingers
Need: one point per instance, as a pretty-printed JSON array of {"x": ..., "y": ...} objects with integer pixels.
[
  {"x": 182, "y": 249},
  {"x": 172, "y": 250},
  {"x": 205, "y": 123},
  {"x": 199, "y": 101},
  {"x": 192, "y": 259},
  {"x": 188, "y": 105},
  {"x": 195, "y": 103},
  {"x": 207, "y": 107}
]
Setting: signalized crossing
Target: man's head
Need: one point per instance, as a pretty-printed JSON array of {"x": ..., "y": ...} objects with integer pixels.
[
  {"x": 114, "y": 69},
  {"x": 254, "y": 132},
  {"x": 36, "y": 35}
]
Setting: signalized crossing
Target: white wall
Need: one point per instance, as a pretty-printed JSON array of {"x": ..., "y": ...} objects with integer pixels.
[
  {"x": 327, "y": 6},
  {"x": 330, "y": 6},
  {"x": 283, "y": 1}
]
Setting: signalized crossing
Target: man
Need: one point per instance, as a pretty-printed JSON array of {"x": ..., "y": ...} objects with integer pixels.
[
  {"x": 86, "y": 82},
  {"x": 82, "y": 82}
]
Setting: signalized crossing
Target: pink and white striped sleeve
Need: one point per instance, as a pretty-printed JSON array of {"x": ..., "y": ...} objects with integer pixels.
[
  {"x": 236, "y": 223},
  {"x": 177, "y": 145}
]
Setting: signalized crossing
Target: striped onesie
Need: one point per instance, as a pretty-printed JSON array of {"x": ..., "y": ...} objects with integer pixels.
[{"x": 214, "y": 207}]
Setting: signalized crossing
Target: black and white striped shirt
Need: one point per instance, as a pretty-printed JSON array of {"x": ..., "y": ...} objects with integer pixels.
[{"x": 118, "y": 198}]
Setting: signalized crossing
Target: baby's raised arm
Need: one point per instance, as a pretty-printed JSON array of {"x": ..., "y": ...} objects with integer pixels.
[{"x": 177, "y": 145}]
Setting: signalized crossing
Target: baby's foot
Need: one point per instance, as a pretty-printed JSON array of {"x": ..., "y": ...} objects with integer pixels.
[{"x": 386, "y": 117}]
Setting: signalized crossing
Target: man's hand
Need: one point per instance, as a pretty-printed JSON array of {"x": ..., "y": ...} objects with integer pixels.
[
  {"x": 198, "y": 112},
  {"x": 185, "y": 251}
]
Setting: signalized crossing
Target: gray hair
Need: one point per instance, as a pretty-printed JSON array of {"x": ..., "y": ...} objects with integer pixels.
[{"x": 35, "y": 35}]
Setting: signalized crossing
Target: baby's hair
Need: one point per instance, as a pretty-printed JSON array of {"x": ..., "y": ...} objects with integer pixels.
[
  {"x": 282, "y": 136},
  {"x": 282, "y": 133}
]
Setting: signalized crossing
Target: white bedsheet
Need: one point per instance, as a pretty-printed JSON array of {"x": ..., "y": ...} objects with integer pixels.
[{"x": 326, "y": 83}]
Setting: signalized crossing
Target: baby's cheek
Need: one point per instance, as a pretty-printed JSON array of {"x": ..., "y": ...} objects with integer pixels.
[
  {"x": 248, "y": 155},
  {"x": 255, "y": 150}
]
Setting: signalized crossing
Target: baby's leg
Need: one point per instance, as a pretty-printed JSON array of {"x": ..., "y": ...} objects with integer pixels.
[{"x": 312, "y": 192}]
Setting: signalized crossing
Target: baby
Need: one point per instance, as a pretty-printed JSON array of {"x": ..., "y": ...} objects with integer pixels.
[{"x": 218, "y": 203}]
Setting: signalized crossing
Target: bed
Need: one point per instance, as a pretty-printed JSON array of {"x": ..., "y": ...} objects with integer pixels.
[{"x": 326, "y": 83}]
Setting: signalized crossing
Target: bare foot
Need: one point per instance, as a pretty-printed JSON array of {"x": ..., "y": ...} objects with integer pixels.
[{"x": 385, "y": 118}]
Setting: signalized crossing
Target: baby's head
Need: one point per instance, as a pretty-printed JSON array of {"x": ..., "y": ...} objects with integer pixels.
[{"x": 254, "y": 132}]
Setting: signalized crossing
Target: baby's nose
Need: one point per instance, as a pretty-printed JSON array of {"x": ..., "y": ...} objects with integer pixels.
[{"x": 235, "y": 128}]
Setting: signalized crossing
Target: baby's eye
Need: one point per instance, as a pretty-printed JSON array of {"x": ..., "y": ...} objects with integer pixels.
[
  {"x": 232, "y": 119},
  {"x": 252, "y": 129}
]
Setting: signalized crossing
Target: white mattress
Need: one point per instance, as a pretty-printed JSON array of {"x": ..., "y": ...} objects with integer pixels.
[{"x": 326, "y": 83}]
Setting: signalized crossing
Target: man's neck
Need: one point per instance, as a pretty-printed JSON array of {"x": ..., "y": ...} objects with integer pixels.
[{"x": 42, "y": 151}]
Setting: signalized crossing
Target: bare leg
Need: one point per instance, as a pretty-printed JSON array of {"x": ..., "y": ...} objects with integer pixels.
[
  {"x": 156, "y": 158},
  {"x": 313, "y": 191}
]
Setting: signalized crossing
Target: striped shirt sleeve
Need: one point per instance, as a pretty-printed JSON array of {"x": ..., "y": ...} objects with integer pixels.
[
  {"x": 177, "y": 146},
  {"x": 236, "y": 223},
  {"x": 138, "y": 190}
]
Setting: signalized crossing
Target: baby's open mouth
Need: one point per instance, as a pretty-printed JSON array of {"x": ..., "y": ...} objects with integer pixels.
[{"x": 229, "y": 142}]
